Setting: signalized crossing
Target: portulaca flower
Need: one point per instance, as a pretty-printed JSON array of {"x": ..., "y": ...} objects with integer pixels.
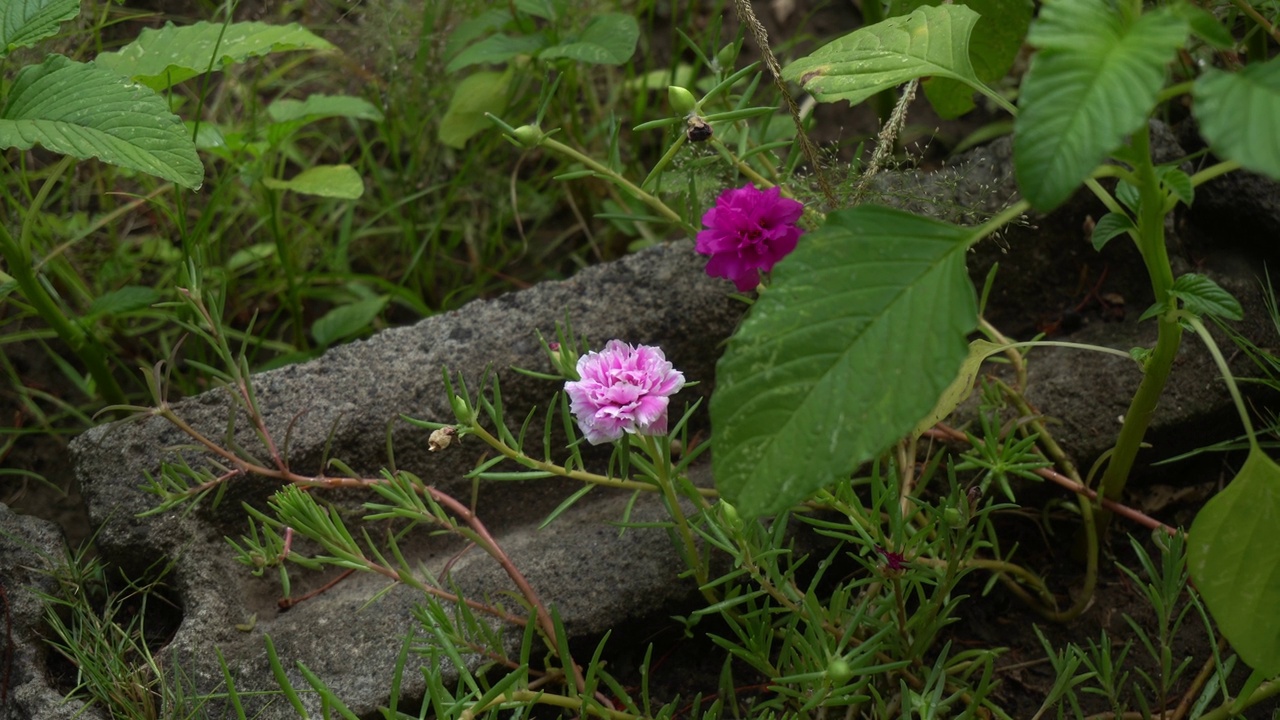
[{"x": 624, "y": 389}]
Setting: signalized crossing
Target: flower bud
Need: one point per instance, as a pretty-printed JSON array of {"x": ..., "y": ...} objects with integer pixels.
[
  {"x": 528, "y": 135},
  {"x": 727, "y": 56},
  {"x": 954, "y": 518},
  {"x": 441, "y": 439},
  {"x": 730, "y": 515},
  {"x": 698, "y": 130},
  {"x": 461, "y": 410},
  {"x": 839, "y": 672},
  {"x": 682, "y": 101}
]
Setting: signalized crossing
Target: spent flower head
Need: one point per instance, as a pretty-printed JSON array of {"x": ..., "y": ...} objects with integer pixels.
[
  {"x": 624, "y": 389},
  {"x": 747, "y": 231}
]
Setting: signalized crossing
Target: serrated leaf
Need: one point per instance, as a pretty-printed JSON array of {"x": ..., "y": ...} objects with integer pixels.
[
  {"x": 1239, "y": 114},
  {"x": 994, "y": 44},
  {"x": 1233, "y": 554},
  {"x": 496, "y": 49},
  {"x": 125, "y": 299},
  {"x": 1178, "y": 183},
  {"x": 347, "y": 321},
  {"x": 609, "y": 39},
  {"x": 324, "y": 106},
  {"x": 477, "y": 94},
  {"x": 165, "y": 57},
  {"x": 1093, "y": 81},
  {"x": 1203, "y": 296},
  {"x": 931, "y": 41},
  {"x": 1109, "y": 226},
  {"x": 332, "y": 181},
  {"x": 828, "y": 369},
  {"x": 81, "y": 110},
  {"x": 24, "y": 23}
]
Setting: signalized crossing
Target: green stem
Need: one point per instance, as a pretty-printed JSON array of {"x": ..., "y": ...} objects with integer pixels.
[
  {"x": 1155, "y": 255},
  {"x": 1228, "y": 709},
  {"x": 662, "y": 475},
  {"x": 1221, "y": 362},
  {"x": 652, "y": 201},
  {"x": 17, "y": 254},
  {"x": 1214, "y": 171}
]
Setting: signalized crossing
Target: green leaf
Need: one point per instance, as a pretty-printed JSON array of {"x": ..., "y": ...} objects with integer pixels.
[
  {"x": 960, "y": 388},
  {"x": 347, "y": 321},
  {"x": 324, "y": 106},
  {"x": 1178, "y": 183},
  {"x": 477, "y": 94},
  {"x": 165, "y": 57},
  {"x": 1239, "y": 114},
  {"x": 81, "y": 110},
  {"x": 1233, "y": 555},
  {"x": 544, "y": 9},
  {"x": 828, "y": 370},
  {"x": 123, "y": 300},
  {"x": 609, "y": 39},
  {"x": 1094, "y": 81},
  {"x": 1203, "y": 296},
  {"x": 1205, "y": 26},
  {"x": 1109, "y": 226},
  {"x": 932, "y": 41},
  {"x": 24, "y": 23},
  {"x": 332, "y": 181},
  {"x": 994, "y": 44},
  {"x": 496, "y": 49}
]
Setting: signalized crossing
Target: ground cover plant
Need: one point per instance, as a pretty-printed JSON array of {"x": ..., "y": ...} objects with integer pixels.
[{"x": 822, "y": 397}]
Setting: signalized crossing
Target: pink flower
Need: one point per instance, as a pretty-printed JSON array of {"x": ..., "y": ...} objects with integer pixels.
[
  {"x": 748, "y": 230},
  {"x": 623, "y": 389}
]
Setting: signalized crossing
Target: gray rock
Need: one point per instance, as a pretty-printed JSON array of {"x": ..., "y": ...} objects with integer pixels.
[
  {"x": 29, "y": 548},
  {"x": 345, "y": 400}
]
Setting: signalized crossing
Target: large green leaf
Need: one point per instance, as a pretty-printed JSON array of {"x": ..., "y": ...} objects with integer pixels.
[
  {"x": 609, "y": 39},
  {"x": 1239, "y": 115},
  {"x": 996, "y": 39},
  {"x": 24, "y": 23},
  {"x": 1093, "y": 81},
  {"x": 165, "y": 57},
  {"x": 1234, "y": 557},
  {"x": 332, "y": 181},
  {"x": 323, "y": 106},
  {"x": 81, "y": 110},
  {"x": 932, "y": 41},
  {"x": 861, "y": 331},
  {"x": 477, "y": 94},
  {"x": 497, "y": 49}
]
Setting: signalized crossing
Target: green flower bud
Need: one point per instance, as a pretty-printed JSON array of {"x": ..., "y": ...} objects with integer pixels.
[
  {"x": 462, "y": 410},
  {"x": 682, "y": 101},
  {"x": 954, "y": 518},
  {"x": 839, "y": 672},
  {"x": 730, "y": 515},
  {"x": 727, "y": 56},
  {"x": 528, "y": 135}
]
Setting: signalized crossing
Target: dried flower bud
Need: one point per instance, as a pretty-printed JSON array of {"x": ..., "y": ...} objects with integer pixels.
[
  {"x": 682, "y": 101},
  {"x": 698, "y": 130},
  {"x": 441, "y": 439}
]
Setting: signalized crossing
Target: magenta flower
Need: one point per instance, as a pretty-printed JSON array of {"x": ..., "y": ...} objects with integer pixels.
[
  {"x": 623, "y": 389},
  {"x": 747, "y": 231}
]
